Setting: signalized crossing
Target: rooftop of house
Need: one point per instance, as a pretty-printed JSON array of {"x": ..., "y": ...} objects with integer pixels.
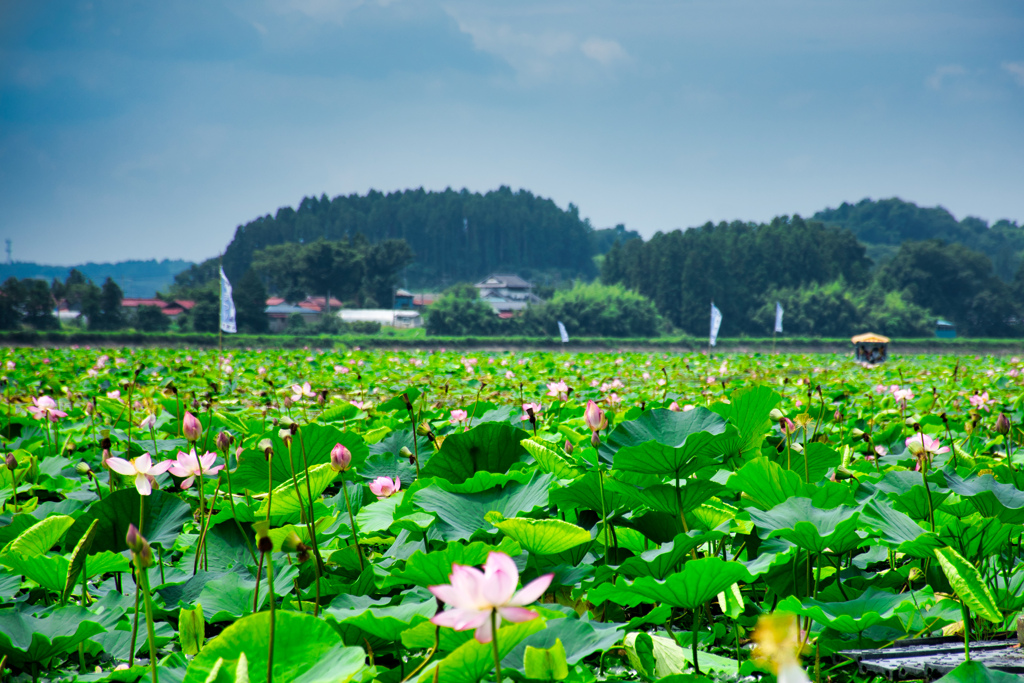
[{"x": 503, "y": 281}]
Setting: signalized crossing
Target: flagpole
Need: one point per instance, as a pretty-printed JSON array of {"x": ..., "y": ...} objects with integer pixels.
[
  {"x": 773, "y": 341},
  {"x": 220, "y": 327},
  {"x": 709, "y": 334}
]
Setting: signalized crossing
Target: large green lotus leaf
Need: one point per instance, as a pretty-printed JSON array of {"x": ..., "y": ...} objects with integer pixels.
[
  {"x": 165, "y": 516},
  {"x": 700, "y": 581},
  {"x": 78, "y": 557},
  {"x": 977, "y": 537},
  {"x": 976, "y": 672},
  {"x": 306, "y": 650},
  {"x": 908, "y": 492},
  {"x": 490, "y": 447},
  {"x": 585, "y": 493},
  {"x": 810, "y": 464},
  {"x": 378, "y": 515},
  {"x": 433, "y": 568},
  {"x": 286, "y": 501},
  {"x": 316, "y": 439},
  {"x": 853, "y": 616},
  {"x": 667, "y": 497},
  {"x": 460, "y": 515},
  {"x": 549, "y": 664},
  {"x": 749, "y": 410},
  {"x": 670, "y": 442},
  {"x": 49, "y": 571},
  {"x": 470, "y": 661},
  {"x": 969, "y": 584},
  {"x": 580, "y": 639},
  {"x": 667, "y": 659},
  {"x": 25, "y": 638},
  {"x": 897, "y": 530},
  {"x": 14, "y": 525},
  {"x": 800, "y": 522},
  {"x": 379, "y": 624},
  {"x": 40, "y": 537},
  {"x": 661, "y": 562},
  {"x": 551, "y": 460},
  {"x": 541, "y": 536},
  {"x": 765, "y": 483},
  {"x": 988, "y": 496}
]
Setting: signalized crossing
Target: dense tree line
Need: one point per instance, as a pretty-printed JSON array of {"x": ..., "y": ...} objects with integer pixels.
[
  {"x": 456, "y": 236},
  {"x": 822, "y": 278},
  {"x": 885, "y": 224}
]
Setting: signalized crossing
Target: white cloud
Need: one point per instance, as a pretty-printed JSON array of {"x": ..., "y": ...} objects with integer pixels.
[
  {"x": 530, "y": 54},
  {"x": 1016, "y": 70},
  {"x": 604, "y": 51},
  {"x": 939, "y": 76}
]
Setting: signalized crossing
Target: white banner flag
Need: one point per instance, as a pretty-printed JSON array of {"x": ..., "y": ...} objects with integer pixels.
[
  {"x": 227, "y": 305},
  {"x": 563, "y": 333},
  {"x": 778, "y": 317},
  {"x": 716, "y": 322}
]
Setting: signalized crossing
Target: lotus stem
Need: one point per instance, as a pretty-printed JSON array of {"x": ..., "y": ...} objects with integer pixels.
[
  {"x": 696, "y": 631},
  {"x": 318, "y": 561},
  {"x": 494, "y": 646},
  {"x": 150, "y": 631},
  {"x": 270, "y": 650},
  {"x": 352, "y": 522},
  {"x": 234, "y": 516}
]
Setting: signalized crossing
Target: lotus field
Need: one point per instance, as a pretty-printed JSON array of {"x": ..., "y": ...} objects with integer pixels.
[{"x": 175, "y": 515}]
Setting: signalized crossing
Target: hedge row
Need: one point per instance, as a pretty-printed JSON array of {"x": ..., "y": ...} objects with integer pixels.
[{"x": 174, "y": 339}]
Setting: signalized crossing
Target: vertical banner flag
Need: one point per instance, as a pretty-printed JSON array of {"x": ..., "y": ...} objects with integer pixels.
[
  {"x": 716, "y": 322},
  {"x": 778, "y": 317},
  {"x": 563, "y": 333},
  {"x": 227, "y": 305}
]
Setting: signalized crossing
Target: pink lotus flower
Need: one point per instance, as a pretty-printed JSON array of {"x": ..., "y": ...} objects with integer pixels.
[
  {"x": 536, "y": 407},
  {"x": 191, "y": 466},
  {"x": 191, "y": 427},
  {"x": 142, "y": 468},
  {"x": 922, "y": 443},
  {"x": 558, "y": 390},
  {"x": 45, "y": 408},
  {"x": 902, "y": 395},
  {"x": 341, "y": 458},
  {"x": 300, "y": 391},
  {"x": 474, "y": 595},
  {"x": 981, "y": 401},
  {"x": 385, "y": 487},
  {"x": 674, "y": 406},
  {"x": 458, "y": 416},
  {"x": 594, "y": 417}
]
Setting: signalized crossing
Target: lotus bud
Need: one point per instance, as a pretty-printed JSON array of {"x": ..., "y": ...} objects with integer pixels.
[
  {"x": 224, "y": 441},
  {"x": 341, "y": 458},
  {"x": 776, "y": 415},
  {"x": 674, "y": 406},
  {"x": 787, "y": 426},
  {"x": 142, "y": 554},
  {"x": 856, "y": 433},
  {"x": 106, "y": 457},
  {"x": 838, "y": 416},
  {"x": 423, "y": 428},
  {"x": 83, "y": 469},
  {"x": 285, "y": 435},
  {"x": 595, "y": 439},
  {"x": 594, "y": 417},
  {"x": 405, "y": 452},
  {"x": 11, "y": 462},
  {"x": 1002, "y": 424},
  {"x": 291, "y": 543},
  {"x": 191, "y": 427},
  {"x": 568, "y": 447},
  {"x": 267, "y": 446}
]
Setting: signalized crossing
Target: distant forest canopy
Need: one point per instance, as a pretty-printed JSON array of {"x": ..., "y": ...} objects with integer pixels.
[
  {"x": 455, "y": 236},
  {"x": 885, "y": 224},
  {"x": 141, "y": 279}
]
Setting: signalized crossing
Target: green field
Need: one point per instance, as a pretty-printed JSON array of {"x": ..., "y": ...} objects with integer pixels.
[{"x": 661, "y": 512}]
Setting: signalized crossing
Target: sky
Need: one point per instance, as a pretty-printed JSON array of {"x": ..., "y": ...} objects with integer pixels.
[{"x": 140, "y": 129}]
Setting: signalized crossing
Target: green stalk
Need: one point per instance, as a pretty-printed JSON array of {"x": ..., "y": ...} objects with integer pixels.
[
  {"x": 352, "y": 521},
  {"x": 14, "y": 489},
  {"x": 966, "y": 613},
  {"x": 202, "y": 518},
  {"x": 494, "y": 646},
  {"x": 604, "y": 514},
  {"x": 231, "y": 499},
  {"x": 135, "y": 620},
  {"x": 696, "y": 630},
  {"x": 150, "y": 632},
  {"x": 318, "y": 561},
  {"x": 270, "y": 651}
]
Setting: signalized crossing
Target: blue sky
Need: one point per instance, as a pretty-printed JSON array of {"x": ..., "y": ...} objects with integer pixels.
[{"x": 133, "y": 129}]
